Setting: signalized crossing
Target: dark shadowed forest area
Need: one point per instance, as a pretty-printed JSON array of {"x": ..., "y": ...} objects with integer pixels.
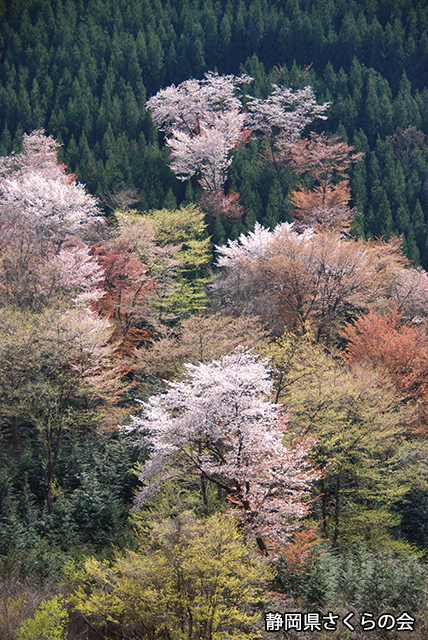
[{"x": 213, "y": 319}]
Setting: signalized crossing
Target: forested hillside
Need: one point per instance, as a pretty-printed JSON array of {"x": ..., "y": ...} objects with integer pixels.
[
  {"x": 84, "y": 70},
  {"x": 213, "y": 319}
]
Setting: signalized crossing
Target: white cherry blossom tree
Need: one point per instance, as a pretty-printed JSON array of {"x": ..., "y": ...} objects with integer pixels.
[
  {"x": 36, "y": 184},
  {"x": 203, "y": 123},
  {"x": 284, "y": 114},
  {"x": 218, "y": 426},
  {"x": 193, "y": 102},
  {"x": 44, "y": 215},
  {"x": 208, "y": 153}
]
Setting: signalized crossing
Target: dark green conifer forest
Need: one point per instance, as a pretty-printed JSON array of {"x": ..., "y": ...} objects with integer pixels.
[
  {"x": 121, "y": 301},
  {"x": 84, "y": 70}
]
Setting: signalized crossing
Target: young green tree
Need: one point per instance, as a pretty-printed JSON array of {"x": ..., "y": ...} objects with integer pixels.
[
  {"x": 176, "y": 252},
  {"x": 188, "y": 579},
  {"x": 48, "y": 623}
]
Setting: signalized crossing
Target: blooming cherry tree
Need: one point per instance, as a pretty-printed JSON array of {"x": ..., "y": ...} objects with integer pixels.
[
  {"x": 312, "y": 279},
  {"x": 36, "y": 184},
  {"x": 44, "y": 214},
  {"x": 193, "y": 102},
  {"x": 283, "y": 115},
  {"x": 256, "y": 244},
  {"x": 73, "y": 270},
  {"x": 217, "y": 425},
  {"x": 203, "y": 122},
  {"x": 410, "y": 293},
  {"x": 207, "y": 154}
]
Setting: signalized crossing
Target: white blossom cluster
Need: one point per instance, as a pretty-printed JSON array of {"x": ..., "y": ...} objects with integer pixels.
[
  {"x": 283, "y": 115},
  {"x": 256, "y": 243},
  {"x": 203, "y": 122},
  {"x": 193, "y": 102},
  {"x": 34, "y": 183},
  {"x": 207, "y": 153},
  {"x": 218, "y": 424}
]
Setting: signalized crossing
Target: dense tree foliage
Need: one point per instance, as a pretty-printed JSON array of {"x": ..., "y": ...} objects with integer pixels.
[
  {"x": 85, "y": 70},
  {"x": 185, "y": 578},
  {"x": 359, "y": 423},
  {"x": 288, "y": 138},
  {"x": 321, "y": 442}
]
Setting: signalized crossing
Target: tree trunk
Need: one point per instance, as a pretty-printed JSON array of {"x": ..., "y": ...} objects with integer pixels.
[
  {"x": 49, "y": 481},
  {"x": 262, "y": 546},
  {"x": 53, "y": 440},
  {"x": 323, "y": 505},
  {"x": 337, "y": 509},
  {"x": 204, "y": 490}
]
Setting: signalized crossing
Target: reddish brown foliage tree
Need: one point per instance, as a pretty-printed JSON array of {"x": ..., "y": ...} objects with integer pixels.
[
  {"x": 215, "y": 203},
  {"x": 326, "y": 160},
  {"x": 407, "y": 142},
  {"x": 297, "y": 558},
  {"x": 397, "y": 348},
  {"x": 323, "y": 158},
  {"x": 126, "y": 286},
  {"x": 324, "y": 206}
]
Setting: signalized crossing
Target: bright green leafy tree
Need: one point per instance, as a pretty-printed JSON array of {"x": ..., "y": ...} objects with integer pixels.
[
  {"x": 48, "y": 623},
  {"x": 359, "y": 425},
  {"x": 177, "y": 252},
  {"x": 188, "y": 579}
]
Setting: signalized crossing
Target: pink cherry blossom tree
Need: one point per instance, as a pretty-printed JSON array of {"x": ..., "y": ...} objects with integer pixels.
[
  {"x": 193, "y": 102},
  {"x": 36, "y": 184},
  {"x": 217, "y": 425},
  {"x": 203, "y": 123},
  {"x": 44, "y": 214},
  {"x": 72, "y": 273},
  {"x": 283, "y": 115}
]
